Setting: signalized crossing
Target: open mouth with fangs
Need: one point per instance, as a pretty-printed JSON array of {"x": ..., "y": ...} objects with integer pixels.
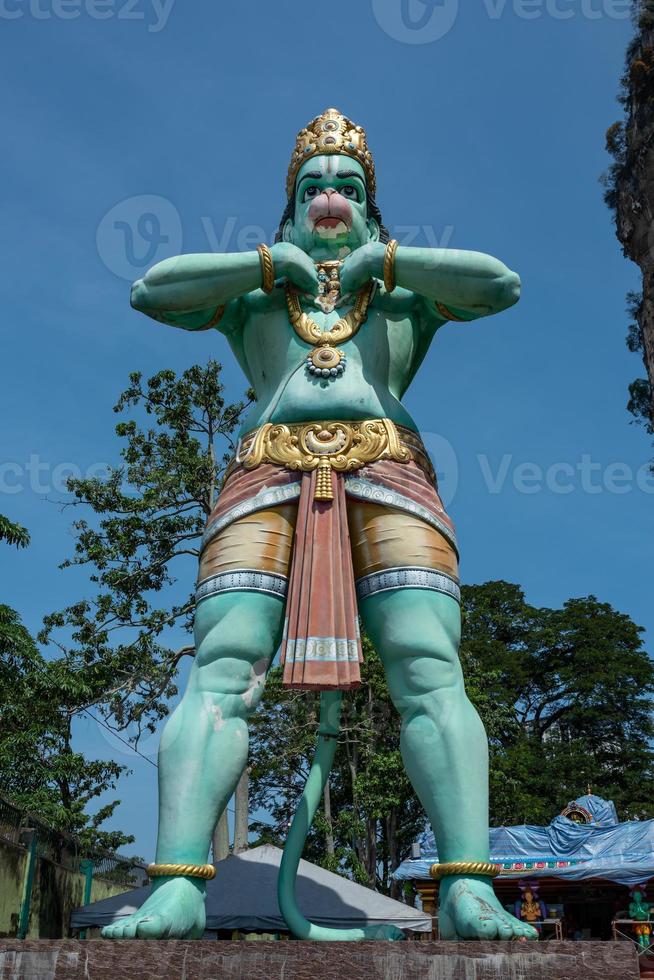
[{"x": 331, "y": 227}]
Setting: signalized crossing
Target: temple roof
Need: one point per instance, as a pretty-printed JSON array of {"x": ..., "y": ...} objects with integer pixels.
[{"x": 598, "y": 847}]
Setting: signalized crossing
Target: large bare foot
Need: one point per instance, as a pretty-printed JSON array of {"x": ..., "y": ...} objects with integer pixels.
[
  {"x": 173, "y": 910},
  {"x": 469, "y": 909}
]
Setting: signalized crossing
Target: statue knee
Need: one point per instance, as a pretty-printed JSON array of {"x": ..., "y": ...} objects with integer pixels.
[
  {"x": 421, "y": 653},
  {"x": 233, "y": 652},
  {"x": 417, "y": 635},
  {"x": 421, "y": 665}
]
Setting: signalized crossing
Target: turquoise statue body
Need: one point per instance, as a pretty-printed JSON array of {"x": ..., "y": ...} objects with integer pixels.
[{"x": 331, "y": 217}]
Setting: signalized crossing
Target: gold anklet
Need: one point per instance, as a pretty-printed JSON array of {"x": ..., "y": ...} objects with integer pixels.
[
  {"x": 206, "y": 871},
  {"x": 389, "y": 265},
  {"x": 267, "y": 268},
  {"x": 485, "y": 868}
]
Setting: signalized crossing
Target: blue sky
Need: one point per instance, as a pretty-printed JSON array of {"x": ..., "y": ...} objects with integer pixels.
[{"x": 487, "y": 125}]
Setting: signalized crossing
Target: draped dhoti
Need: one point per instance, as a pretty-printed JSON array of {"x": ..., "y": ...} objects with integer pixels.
[{"x": 324, "y": 540}]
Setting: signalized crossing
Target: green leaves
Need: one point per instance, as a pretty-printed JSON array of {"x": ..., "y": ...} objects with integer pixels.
[
  {"x": 113, "y": 649},
  {"x": 38, "y": 768},
  {"x": 144, "y": 526},
  {"x": 566, "y": 698},
  {"x": 13, "y": 533}
]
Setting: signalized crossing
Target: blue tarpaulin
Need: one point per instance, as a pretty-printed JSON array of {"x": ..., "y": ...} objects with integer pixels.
[{"x": 603, "y": 848}]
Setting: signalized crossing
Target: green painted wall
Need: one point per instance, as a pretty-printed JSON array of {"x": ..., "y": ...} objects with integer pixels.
[
  {"x": 56, "y": 892},
  {"x": 13, "y": 862}
]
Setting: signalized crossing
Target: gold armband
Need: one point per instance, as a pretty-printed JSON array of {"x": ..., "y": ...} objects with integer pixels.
[
  {"x": 267, "y": 268},
  {"x": 447, "y": 314},
  {"x": 216, "y": 318},
  {"x": 206, "y": 871},
  {"x": 389, "y": 265},
  {"x": 486, "y": 868}
]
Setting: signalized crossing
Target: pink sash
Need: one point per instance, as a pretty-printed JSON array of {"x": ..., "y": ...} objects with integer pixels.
[{"x": 321, "y": 648}]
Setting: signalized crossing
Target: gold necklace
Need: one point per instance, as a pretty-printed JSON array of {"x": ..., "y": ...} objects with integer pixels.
[{"x": 325, "y": 360}]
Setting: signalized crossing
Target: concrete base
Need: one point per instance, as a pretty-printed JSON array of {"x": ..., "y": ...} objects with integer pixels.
[{"x": 100, "y": 960}]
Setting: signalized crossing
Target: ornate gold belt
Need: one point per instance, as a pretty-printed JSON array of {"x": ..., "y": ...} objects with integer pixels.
[{"x": 327, "y": 446}]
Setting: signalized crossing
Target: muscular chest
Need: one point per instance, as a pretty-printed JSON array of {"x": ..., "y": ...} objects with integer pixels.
[{"x": 382, "y": 349}]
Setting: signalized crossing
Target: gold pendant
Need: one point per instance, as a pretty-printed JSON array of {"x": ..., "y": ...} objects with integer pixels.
[{"x": 326, "y": 362}]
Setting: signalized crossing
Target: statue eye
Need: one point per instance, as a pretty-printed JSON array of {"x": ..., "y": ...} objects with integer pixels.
[
  {"x": 310, "y": 192},
  {"x": 349, "y": 190}
]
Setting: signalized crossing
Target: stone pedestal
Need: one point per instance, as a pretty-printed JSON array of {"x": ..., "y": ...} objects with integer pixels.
[{"x": 100, "y": 960}]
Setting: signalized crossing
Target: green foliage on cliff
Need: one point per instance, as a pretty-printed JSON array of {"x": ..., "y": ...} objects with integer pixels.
[{"x": 627, "y": 192}]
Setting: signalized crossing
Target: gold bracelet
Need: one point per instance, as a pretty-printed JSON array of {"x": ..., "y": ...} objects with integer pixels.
[
  {"x": 447, "y": 314},
  {"x": 486, "y": 868},
  {"x": 206, "y": 871},
  {"x": 267, "y": 268},
  {"x": 389, "y": 265}
]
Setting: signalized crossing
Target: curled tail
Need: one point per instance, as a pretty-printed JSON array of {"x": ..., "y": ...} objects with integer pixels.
[{"x": 330, "y": 714}]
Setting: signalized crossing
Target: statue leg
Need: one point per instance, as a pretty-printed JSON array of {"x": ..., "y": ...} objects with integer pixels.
[
  {"x": 203, "y": 752},
  {"x": 444, "y": 748}
]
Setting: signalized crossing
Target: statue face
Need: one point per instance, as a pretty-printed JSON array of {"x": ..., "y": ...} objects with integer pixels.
[{"x": 331, "y": 214}]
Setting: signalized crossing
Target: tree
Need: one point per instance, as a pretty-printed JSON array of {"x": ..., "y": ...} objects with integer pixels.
[
  {"x": 574, "y": 685},
  {"x": 148, "y": 517},
  {"x": 38, "y": 768},
  {"x": 630, "y": 194},
  {"x": 564, "y": 695},
  {"x": 13, "y": 533}
]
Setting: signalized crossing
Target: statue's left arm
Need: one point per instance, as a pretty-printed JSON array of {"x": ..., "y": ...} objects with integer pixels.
[
  {"x": 461, "y": 285},
  {"x": 457, "y": 285}
]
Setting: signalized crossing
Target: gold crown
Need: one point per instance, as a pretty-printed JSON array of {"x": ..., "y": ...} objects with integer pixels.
[{"x": 331, "y": 133}]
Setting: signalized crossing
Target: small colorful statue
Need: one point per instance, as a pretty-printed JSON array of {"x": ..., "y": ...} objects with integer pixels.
[
  {"x": 329, "y": 511},
  {"x": 640, "y": 911},
  {"x": 529, "y": 908}
]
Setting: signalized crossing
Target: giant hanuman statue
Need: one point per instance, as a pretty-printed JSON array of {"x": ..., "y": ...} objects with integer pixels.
[{"x": 329, "y": 511}]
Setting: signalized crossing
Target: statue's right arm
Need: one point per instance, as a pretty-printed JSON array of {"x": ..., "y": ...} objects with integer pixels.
[
  {"x": 193, "y": 291},
  {"x": 200, "y": 291}
]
